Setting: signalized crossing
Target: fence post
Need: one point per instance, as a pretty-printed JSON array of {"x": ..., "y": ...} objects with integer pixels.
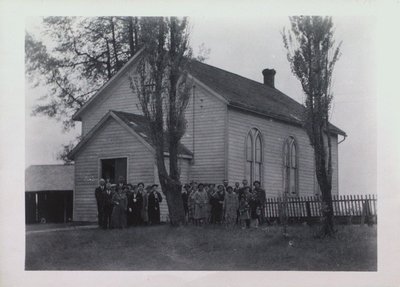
[
  {"x": 365, "y": 212},
  {"x": 308, "y": 210}
]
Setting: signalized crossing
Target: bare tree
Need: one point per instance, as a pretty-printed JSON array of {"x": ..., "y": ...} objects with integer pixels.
[
  {"x": 312, "y": 55},
  {"x": 162, "y": 86}
]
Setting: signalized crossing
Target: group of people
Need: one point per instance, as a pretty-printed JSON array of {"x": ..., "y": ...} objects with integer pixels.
[
  {"x": 121, "y": 205},
  {"x": 208, "y": 203}
]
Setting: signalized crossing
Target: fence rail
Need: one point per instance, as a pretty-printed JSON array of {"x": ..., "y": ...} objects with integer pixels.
[{"x": 310, "y": 207}]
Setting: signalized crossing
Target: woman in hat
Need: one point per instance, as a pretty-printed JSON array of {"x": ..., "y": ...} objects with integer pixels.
[
  {"x": 191, "y": 202},
  {"x": 200, "y": 199},
  {"x": 154, "y": 199},
  {"x": 231, "y": 205},
  {"x": 210, "y": 192},
  {"x": 135, "y": 201},
  {"x": 217, "y": 201},
  {"x": 118, "y": 217},
  {"x": 143, "y": 212}
]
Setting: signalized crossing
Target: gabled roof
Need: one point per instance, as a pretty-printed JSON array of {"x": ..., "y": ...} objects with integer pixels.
[
  {"x": 137, "y": 125},
  {"x": 250, "y": 95},
  {"x": 237, "y": 91},
  {"x": 51, "y": 177}
]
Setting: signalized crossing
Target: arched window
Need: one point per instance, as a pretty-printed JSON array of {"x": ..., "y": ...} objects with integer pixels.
[
  {"x": 254, "y": 156},
  {"x": 291, "y": 167}
]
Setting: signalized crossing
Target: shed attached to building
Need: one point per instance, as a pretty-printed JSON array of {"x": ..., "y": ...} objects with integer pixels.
[{"x": 49, "y": 193}]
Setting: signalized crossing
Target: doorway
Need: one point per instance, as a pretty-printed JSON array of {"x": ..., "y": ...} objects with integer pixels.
[{"x": 112, "y": 168}]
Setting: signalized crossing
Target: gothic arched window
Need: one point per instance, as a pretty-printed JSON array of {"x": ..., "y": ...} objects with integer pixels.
[
  {"x": 291, "y": 166},
  {"x": 254, "y": 156}
]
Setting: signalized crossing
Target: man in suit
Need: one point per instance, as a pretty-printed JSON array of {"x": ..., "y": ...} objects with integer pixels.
[
  {"x": 261, "y": 197},
  {"x": 99, "y": 199},
  {"x": 107, "y": 196}
]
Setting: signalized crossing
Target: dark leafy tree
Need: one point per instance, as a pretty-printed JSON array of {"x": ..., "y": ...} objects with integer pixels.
[
  {"x": 77, "y": 56},
  {"x": 312, "y": 55},
  {"x": 162, "y": 86}
]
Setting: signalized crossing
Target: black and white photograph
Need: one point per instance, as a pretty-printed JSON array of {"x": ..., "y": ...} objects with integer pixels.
[{"x": 187, "y": 141}]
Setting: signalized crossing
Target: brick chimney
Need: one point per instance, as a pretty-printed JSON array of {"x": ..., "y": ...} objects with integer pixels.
[{"x": 269, "y": 77}]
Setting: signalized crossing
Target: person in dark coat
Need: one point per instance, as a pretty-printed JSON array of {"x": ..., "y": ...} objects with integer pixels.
[
  {"x": 217, "y": 201},
  {"x": 135, "y": 202},
  {"x": 242, "y": 190},
  {"x": 185, "y": 200},
  {"x": 121, "y": 184},
  {"x": 120, "y": 201},
  {"x": 153, "y": 202},
  {"x": 261, "y": 197},
  {"x": 107, "y": 206},
  {"x": 254, "y": 204},
  {"x": 236, "y": 188},
  {"x": 99, "y": 199}
]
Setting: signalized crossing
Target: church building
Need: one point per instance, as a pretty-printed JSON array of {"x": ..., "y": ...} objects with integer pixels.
[{"x": 237, "y": 129}]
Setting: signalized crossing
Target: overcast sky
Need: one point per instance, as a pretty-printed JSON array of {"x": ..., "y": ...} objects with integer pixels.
[{"x": 246, "y": 46}]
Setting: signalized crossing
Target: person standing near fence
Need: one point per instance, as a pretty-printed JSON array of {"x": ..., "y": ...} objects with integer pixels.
[
  {"x": 255, "y": 210},
  {"x": 98, "y": 193},
  {"x": 261, "y": 197}
]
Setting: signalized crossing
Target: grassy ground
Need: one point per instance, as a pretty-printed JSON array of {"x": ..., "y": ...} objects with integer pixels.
[{"x": 202, "y": 248}]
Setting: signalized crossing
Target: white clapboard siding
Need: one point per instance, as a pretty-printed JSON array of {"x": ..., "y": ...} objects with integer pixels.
[
  {"x": 210, "y": 126},
  {"x": 111, "y": 141},
  {"x": 274, "y": 134},
  {"x": 118, "y": 96}
]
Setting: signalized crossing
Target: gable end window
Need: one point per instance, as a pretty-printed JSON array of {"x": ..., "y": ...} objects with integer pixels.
[
  {"x": 254, "y": 156},
  {"x": 290, "y": 162}
]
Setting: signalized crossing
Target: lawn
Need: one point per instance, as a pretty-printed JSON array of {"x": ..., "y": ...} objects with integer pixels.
[{"x": 354, "y": 248}]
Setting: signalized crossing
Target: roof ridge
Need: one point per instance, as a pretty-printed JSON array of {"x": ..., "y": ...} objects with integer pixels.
[{"x": 251, "y": 80}]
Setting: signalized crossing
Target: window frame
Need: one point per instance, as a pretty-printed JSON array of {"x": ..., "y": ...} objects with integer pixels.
[
  {"x": 256, "y": 138},
  {"x": 289, "y": 169}
]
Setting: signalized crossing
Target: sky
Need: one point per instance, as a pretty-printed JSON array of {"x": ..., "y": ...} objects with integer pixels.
[{"x": 245, "y": 46}]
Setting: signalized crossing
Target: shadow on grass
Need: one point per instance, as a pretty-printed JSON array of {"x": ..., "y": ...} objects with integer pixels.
[{"x": 203, "y": 248}]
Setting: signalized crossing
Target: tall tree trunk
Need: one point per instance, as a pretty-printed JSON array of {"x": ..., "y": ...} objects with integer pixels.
[
  {"x": 324, "y": 182},
  {"x": 114, "y": 44},
  {"x": 130, "y": 37}
]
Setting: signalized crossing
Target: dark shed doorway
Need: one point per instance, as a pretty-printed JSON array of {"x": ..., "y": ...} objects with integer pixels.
[{"x": 48, "y": 206}]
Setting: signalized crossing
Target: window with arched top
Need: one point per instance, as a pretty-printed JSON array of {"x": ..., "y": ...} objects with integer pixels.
[
  {"x": 254, "y": 156},
  {"x": 290, "y": 161}
]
